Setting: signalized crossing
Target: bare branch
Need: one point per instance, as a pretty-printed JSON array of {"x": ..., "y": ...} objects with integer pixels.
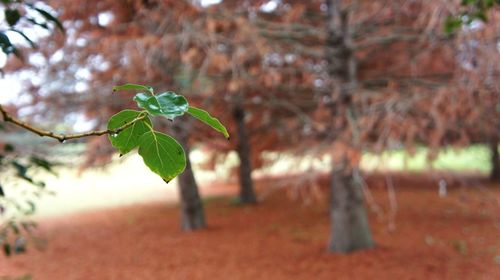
[{"x": 63, "y": 137}]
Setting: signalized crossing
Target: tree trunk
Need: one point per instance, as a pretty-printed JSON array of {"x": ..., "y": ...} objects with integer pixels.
[
  {"x": 192, "y": 213},
  {"x": 350, "y": 227},
  {"x": 247, "y": 194},
  {"x": 495, "y": 161}
]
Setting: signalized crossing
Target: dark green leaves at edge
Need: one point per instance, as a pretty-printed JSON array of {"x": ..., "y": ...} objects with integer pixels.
[{"x": 48, "y": 17}]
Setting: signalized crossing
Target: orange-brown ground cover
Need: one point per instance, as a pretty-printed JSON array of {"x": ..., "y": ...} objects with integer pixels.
[{"x": 455, "y": 237}]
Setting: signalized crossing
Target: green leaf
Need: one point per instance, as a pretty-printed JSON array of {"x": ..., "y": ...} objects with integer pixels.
[
  {"x": 8, "y": 148},
  {"x": 42, "y": 163},
  {"x": 5, "y": 44},
  {"x": 162, "y": 154},
  {"x": 44, "y": 25},
  {"x": 205, "y": 117},
  {"x": 128, "y": 139},
  {"x": 49, "y": 17},
  {"x": 134, "y": 87},
  {"x": 480, "y": 15},
  {"x": 167, "y": 104},
  {"x": 32, "y": 44},
  {"x": 12, "y": 16},
  {"x": 451, "y": 24},
  {"x": 21, "y": 171},
  {"x": 6, "y": 249}
]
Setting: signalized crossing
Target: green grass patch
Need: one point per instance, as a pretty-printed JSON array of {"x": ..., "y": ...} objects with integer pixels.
[{"x": 475, "y": 158}]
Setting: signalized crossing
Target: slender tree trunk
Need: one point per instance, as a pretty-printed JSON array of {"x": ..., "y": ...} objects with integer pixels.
[
  {"x": 350, "y": 228},
  {"x": 247, "y": 194},
  {"x": 495, "y": 161},
  {"x": 192, "y": 213}
]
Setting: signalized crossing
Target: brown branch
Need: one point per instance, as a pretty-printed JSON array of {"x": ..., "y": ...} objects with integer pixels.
[{"x": 63, "y": 137}]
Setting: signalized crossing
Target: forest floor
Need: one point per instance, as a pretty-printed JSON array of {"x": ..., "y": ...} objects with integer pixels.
[{"x": 456, "y": 236}]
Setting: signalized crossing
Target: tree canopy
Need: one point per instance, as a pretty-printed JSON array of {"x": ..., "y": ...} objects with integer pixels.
[{"x": 327, "y": 79}]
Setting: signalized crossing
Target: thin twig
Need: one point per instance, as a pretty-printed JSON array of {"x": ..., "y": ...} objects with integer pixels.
[{"x": 63, "y": 137}]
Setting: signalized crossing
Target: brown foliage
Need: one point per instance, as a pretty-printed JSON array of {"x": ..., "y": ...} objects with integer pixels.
[{"x": 415, "y": 85}]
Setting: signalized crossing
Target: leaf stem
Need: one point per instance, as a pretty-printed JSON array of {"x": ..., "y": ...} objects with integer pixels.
[{"x": 149, "y": 126}]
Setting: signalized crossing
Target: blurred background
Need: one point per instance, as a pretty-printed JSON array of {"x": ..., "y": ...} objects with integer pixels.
[{"x": 367, "y": 126}]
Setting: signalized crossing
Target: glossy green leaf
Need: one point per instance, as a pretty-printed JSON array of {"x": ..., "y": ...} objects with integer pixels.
[
  {"x": 167, "y": 104},
  {"x": 134, "y": 87},
  {"x": 205, "y": 117},
  {"x": 162, "y": 154},
  {"x": 127, "y": 139}
]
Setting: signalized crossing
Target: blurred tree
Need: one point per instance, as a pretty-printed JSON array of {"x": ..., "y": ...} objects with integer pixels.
[
  {"x": 315, "y": 78},
  {"x": 384, "y": 76},
  {"x": 192, "y": 212},
  {"x": 350, "y": 226},
  {"x": 188, "y": 185},
  {"x": 195, "y": 53},
  {"x": 111, "y": 43}
]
